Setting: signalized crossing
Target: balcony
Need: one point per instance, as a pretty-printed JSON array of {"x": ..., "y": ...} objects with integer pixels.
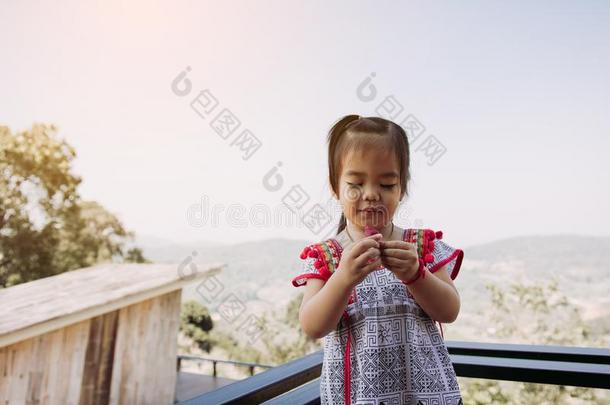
[
  {"x": 108, "y": 334},
  {"x": 297, "y": 382}
]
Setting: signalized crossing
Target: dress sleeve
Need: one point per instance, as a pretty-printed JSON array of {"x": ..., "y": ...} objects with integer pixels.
[
  {"x": 443, "y": 254},
  {"x": 308, "y": 270}
]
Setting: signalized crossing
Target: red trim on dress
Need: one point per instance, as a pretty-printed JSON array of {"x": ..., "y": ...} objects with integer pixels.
[
  {"x": 347, "y": 368},
  {"x": 459, "y": 254},
  {"x": 295, "y": 281},
  {"x": 326, "y": 256}
]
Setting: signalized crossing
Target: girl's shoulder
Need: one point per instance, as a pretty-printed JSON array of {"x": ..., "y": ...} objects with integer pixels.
[
  {"x": 323, "y": 256},
  {"x": 321, "y": 259},
  {"x": 425, "y": 239},
  {"x": 436, "y": 252}
]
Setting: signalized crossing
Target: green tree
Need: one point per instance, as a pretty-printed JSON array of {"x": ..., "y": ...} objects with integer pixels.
[
  {"x": 135, "y": 255},
  {"x": 531, "y": 313},
  {"x": 197, "y": 324},
  {"x": 298, "y": 344},
  {"x": 282, "y": 337},
  {"x": 45, "y": 226}
]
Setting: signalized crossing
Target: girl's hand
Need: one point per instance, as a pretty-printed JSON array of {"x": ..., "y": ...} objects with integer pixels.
[
  {"x": 400, "y": 258},
  {"x": 363, "y": 258}
]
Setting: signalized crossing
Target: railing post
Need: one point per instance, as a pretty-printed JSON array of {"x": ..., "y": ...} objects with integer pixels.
[
  {"x": 178, "y": 363},
  {"x": 214, "y": 367},
  {"x": 251, "y": 371}
]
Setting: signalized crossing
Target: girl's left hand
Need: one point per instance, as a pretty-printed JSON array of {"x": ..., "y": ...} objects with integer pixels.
[{"x": 400, "y": 258}]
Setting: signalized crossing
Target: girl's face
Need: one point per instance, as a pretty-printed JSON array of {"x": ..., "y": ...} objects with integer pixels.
[{"x": 370, "y": 178}]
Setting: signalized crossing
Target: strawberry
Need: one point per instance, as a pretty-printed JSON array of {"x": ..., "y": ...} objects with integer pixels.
[{"x": 370, "y": 230}]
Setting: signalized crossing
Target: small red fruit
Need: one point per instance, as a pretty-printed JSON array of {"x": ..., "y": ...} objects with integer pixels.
[{"x": 370, "y": 230}]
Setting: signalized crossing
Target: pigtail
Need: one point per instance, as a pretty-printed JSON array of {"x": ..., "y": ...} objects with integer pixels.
[
  {"x": 342, "y": 224},
  {"x": 334, "y": 136}
]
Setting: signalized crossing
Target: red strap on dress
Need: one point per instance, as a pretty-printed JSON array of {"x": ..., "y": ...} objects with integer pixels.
[{"x": 347, "y": 368}]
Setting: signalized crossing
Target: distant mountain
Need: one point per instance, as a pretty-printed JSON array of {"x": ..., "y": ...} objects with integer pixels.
[
  {"x": 549, "y": 253},
  {"x": 580, "y": 263},
  {"x": 163, "y": 250},
  {"x": 255, "y": 270},
  {"x": 260, "y": 273}
]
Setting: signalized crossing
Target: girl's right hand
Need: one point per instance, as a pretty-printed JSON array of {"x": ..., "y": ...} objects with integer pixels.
[{"x": 354, "y": 263}]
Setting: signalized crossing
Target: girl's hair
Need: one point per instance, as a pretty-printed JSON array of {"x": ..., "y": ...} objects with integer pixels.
[{"x": 353, "y": 132}]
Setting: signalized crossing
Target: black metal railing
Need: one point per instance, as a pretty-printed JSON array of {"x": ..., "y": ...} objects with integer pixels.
[
  {"x": 297, "y": 382},
  {"x": 197, "y": 359}
]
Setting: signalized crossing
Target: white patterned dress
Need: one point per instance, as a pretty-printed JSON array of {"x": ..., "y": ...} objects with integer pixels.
[{"x": 395, "y": 353}]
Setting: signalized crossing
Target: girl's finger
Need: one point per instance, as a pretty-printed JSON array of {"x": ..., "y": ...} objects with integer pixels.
[
  {"x": 397, "y": 244},
  {"x": 396, "y": 263},
  {"x": 372, "y": 266},
  {"x": 364, "y": 244},
  {"x": 391, "y": 261},
  {"x": 371, "y": 253},
  {"x": 399, "y": 253}
]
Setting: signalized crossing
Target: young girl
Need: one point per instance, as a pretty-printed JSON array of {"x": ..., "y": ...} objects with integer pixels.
[{"x": 374, "y": 291}]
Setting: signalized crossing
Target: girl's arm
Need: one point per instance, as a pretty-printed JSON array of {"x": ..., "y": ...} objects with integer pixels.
[
  {"x": 323, "y": 304},
  {"x": 437, "y": 295}
]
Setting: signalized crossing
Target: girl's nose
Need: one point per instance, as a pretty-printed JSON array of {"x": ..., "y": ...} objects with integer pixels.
[{"x": 370, "y": 193}]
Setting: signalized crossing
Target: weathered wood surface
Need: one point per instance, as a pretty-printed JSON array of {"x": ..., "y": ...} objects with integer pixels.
[
  {"x": 144, "y": 370},
  {"x": 99, "y": 359},
  {"x": 43, "y": 369},
  {"x": 100, "y": 335},
  {"x": 37, "y": 307},
  {"x": 127, "y": 356}
]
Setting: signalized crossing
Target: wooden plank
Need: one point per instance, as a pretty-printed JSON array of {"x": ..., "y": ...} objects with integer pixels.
[
  {"x": 144, "y": 369},
  {"x": 37, "y": 307},
  {"x": 95, "y": 386},
  {"x": 42, "y": 369}
]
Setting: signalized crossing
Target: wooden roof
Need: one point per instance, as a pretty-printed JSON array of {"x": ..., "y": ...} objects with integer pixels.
[{"x": 39, "y": 306}]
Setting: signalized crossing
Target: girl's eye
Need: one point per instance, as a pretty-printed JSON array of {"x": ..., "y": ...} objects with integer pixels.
[{"x": 383, "y": 185}]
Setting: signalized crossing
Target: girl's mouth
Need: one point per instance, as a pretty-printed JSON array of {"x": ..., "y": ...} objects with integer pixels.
[{"x": 372, "y": 210}]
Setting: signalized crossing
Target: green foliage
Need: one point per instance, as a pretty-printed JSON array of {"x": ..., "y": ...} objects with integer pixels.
[
  {"x": 135, "y": 255},
  {"x": 483, "y": 392},
  {"x": 292, "y": 311},
  {"x": 531, "y": 313},
  {"x": 45, "y": 226},
  {"x": 196, "y": 323},
  {"x": 282, "y": 337}
]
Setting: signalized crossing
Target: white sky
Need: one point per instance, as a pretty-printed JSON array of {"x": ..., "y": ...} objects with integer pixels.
[{"x": 519, "y": 94}]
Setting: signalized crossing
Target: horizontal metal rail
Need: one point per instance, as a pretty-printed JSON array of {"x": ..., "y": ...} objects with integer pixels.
[
  {"x": 266, "y": 385},
  {"x": 198, "y": 359},
  {"x": 533, "y": 352},
  {"x": 297, "y": 382}
]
